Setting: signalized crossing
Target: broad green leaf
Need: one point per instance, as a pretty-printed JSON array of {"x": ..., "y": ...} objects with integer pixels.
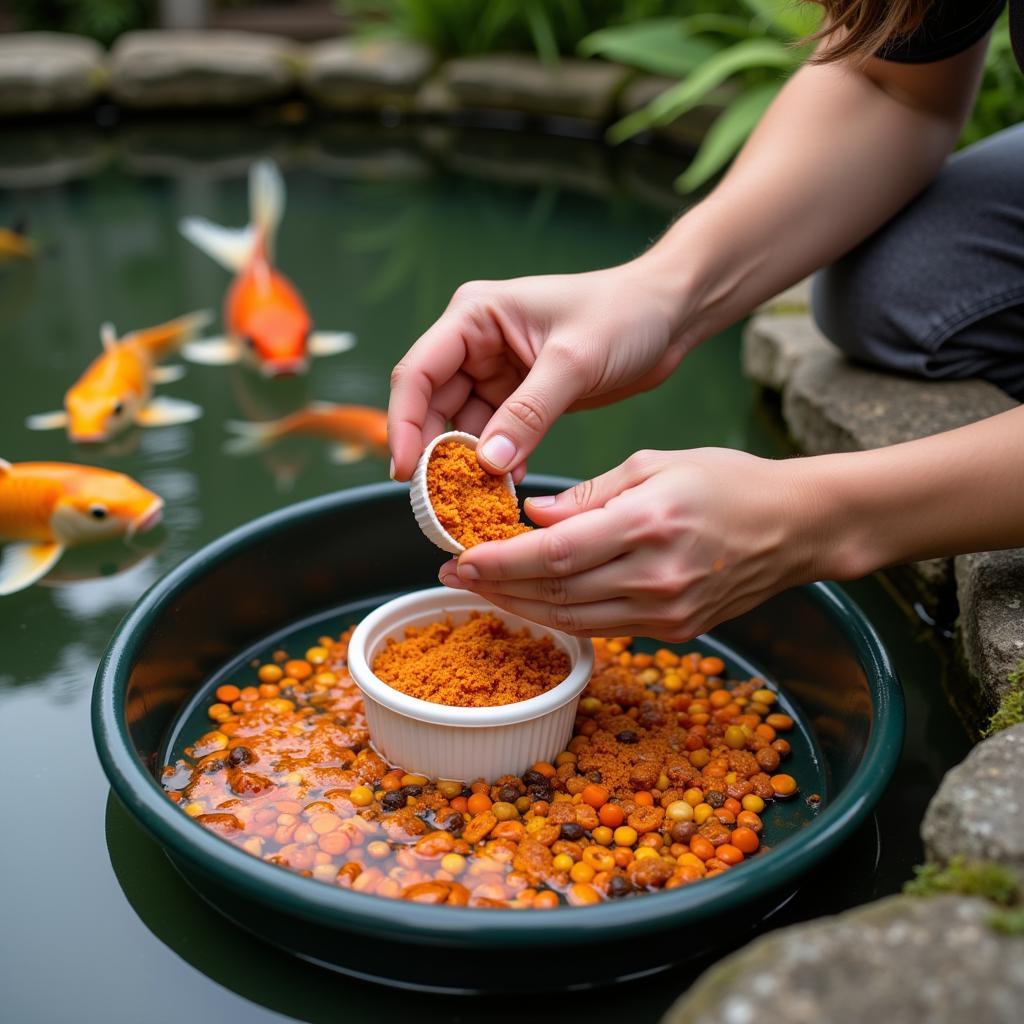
[
  {"x": 752, "y": 53},
  {"x": 795, "y": 18},
  {"x": 727, "y": 135},
  {"x": 722, "y": 24},
  {"x": 658, "y": 46}
]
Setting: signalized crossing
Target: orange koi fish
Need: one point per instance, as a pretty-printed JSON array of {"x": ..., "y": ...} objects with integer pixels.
[
  {"x": 117, "y": 388},
  {"x": 264, "y": 316},
  {"x": 46, "y": 507},
  {"x": 15, "y": 244},
  {"x": 358, "y": 430}
]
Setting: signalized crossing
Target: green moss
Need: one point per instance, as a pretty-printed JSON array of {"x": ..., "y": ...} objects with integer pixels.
[
  {"x": 1011, "y": 706},
  {"x": 968, "y": 878},
  {"x": 1009, "y": 922}
]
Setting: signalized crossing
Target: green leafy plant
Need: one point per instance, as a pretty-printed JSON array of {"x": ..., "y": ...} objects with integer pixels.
[
  {"x": 104, "y": 20},
  {"x": 757, "y": 49},
  {"x": 1000, "y": 100},
  {"x": 1011, "y": 704},
  {"x": 967, "y": 878}
]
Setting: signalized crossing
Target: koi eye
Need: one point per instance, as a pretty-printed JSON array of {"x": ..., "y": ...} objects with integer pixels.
[
  {"x": 118, "y": 408},
  {"x": 98, "y": 511}
]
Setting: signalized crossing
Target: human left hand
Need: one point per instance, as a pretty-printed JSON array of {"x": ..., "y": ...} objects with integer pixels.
[{"x": 667, "y": 545}]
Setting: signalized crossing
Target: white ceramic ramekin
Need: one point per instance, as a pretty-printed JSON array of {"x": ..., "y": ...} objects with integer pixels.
[
  {"x": 462, "y": 743},
  {"x": 421, "y": 507}
]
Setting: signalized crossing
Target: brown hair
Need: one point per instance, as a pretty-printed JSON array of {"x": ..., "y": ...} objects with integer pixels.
[{"x": 867, "y": 25}]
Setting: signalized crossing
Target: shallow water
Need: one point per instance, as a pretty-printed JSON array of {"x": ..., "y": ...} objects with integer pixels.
[{"x": 381, "y": 227}]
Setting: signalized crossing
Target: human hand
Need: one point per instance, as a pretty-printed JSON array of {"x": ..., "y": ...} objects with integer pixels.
[
  {"x": 666, "y": 545},
  {"x": 507, "y": 358}
]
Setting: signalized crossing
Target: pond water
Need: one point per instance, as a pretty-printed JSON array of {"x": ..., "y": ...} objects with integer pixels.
[{"x": 381, "y": 226}]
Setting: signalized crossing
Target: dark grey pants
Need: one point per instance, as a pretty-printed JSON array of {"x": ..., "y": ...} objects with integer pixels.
[{"x": 938, "y": 292}]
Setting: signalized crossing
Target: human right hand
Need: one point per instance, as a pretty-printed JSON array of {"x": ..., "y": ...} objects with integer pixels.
[{"x": 507, "y": 358}]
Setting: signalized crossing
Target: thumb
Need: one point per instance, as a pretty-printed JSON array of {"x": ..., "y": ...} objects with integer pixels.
[
  {"x": 587, "y": 494},
  {"x": 520, "y": 422}
]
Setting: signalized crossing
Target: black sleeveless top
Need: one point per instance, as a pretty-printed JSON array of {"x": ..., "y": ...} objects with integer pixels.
[{"x": 952, "y": 26}]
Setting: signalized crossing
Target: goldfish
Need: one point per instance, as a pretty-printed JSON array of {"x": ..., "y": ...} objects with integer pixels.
[
  {"x": 47, "y": 507},
  {"x": 15, "y": 244},
  {"x": 356, "y": 429},
  {"x": 117, "y": 388},
  {"x": 265, "y": 318}
]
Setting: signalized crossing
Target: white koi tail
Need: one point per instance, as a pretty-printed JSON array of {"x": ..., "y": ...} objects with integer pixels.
[
  {"x": 232, "y": 248},
  {"x": 249, "y": 437}
]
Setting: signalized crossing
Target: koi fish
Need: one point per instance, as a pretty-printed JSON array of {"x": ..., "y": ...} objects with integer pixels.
[
  {"x": 117, "y": 388},
  {"x": 264, "y": 316},
  {"x": 358, "y": 430},
  {"x": 15, "y": 244},
  {"x": 46, "y": 507}
]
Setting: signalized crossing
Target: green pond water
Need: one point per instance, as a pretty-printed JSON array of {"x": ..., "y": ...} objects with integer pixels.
[{"x": 381, "y": 226}]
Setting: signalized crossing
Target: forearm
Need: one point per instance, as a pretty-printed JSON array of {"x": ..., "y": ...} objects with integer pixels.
[
  {"x": 839, "y": 152},
  {"x": 959, "y": 491}
]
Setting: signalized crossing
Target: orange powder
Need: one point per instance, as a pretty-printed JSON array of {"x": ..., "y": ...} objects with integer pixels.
[
  {"x": 473, "y": 505},
  {"x": 480, "y": 663}
]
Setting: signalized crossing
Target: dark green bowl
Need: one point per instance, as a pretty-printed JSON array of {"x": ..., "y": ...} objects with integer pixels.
[{"x": 362, "y": 544}]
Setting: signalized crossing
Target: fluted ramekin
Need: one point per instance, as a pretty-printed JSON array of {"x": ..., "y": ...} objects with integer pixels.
[
  {"x": 454, "y": 742},
  {"x": 420, "y": 498}
]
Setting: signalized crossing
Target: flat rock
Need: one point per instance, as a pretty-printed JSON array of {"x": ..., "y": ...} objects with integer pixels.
[
  {"x": 990, "y": 590},
  {"x": 775, "y": 343},
  {"x": 201, "y": 69},
  {"x": 360, "y": 74},
  {"x": 48, "y": 73},
  {"x": 978, "y": 810},
  {"x": 686, "y": 131},
  {"x": 902, "y": 959},
  {"x": 573, "y": 88}
]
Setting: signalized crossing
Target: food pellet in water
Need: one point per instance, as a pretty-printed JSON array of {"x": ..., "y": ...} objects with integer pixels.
[{"x": 471, "y": 504}]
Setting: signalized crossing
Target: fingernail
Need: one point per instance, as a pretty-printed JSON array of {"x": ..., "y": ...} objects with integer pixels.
[
  {"x": 468, "y": 572},
  {"x": 499, "y": 451},
  {"x": 451, "y": 579},
  {"x": 391, "y": 469},
  {"x": 544, "y": 501}
]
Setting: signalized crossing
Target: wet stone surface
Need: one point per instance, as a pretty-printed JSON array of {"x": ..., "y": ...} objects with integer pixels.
[
  {"x": 978, "y": 811},
  {"x": 352, "y": 74},
  {"x": 48, "y": 72},
  {"x": 905, "y": 959},
  {"x": 200, "y": 69}
]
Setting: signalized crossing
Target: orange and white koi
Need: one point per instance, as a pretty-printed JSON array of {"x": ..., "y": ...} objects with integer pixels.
[
  {"x": 357, "y": 430},
  {"x": 117, "y": 388},
  {"x": 15, "y": 244},
  {"x": 46, "y": 507},
  {"x": 265, "y": 319}
]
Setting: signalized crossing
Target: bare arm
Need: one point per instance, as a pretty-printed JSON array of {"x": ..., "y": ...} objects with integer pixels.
[{"x": 838, "y": 153}]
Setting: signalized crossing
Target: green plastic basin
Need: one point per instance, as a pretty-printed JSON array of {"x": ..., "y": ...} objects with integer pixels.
[{"x": 284, "y": 573}]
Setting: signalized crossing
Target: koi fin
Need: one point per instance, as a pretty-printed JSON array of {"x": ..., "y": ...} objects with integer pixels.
[
  {"x": 249, "y": 437},
  {"x": 266, "y": 201},
  {"x": 108, "y": 335},
  {"x": 347, "y": 454},
  {"x": 212, "y": 351},
  {"x": 165, "y": 338},
  {"x": 47, "y": 420},
  {"x": 22, "y": 563},
  {"x": 330, "y": 343},
  {"x": 230, "y": 247},
  {"x": 166, "y": 412},
  {"x": 168, "y": 374},
  {"x": 5, "y": 467}
]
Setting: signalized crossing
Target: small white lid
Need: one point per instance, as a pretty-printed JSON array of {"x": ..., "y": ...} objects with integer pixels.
[{"x": 420, "y": 499}]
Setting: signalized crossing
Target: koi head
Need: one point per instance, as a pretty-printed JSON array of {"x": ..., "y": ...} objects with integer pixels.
[
  {"x": 276, "y": 340},
  {"x": 96, "y": 414},
  {"x": 99, "y": 504}
]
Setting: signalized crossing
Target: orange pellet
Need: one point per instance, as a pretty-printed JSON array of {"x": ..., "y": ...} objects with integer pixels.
[
  {"x": 478, "y": 803},
  {"x": 227, "y": 694},
  {"x": 596, "y": 796},
  {"x": 729, "y": 854},
  {"x": 296, "y": 668},
  {"x": 643, "y": 798},
  {"x": 711, "y": 666},
  {"x": 702, "y": 848},
  {"x": 783, "y": 785},
  {"x": 611, "y": 815},
  {"x": 745, "y": 840}
]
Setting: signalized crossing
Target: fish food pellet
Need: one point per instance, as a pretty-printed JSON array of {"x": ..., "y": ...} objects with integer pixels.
[
  {"x": 293, "y": 780},
  {"x": 471, "y": 504},
  {"x": 480, "y": 663}
]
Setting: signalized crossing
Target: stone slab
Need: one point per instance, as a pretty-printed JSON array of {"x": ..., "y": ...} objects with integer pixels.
[
  {"x": 573, "y": 88},
  {"x": 990, "y": 590},
  {"x": 201, "y": 69},
  {"x": 978, "y": 811},
  {"x": 361, "y": 74},
  {"x": 902, "y": 959},
  {"x": 48, "y": 73},
  {"x": 774, "y": 345}
]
